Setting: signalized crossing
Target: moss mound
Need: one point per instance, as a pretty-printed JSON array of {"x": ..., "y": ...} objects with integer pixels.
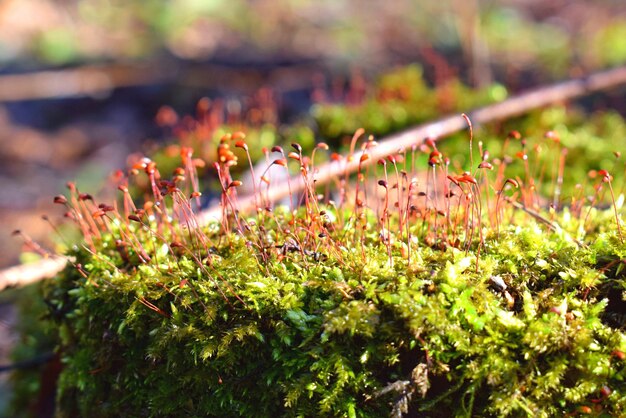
[{"x": 524, "y": 332}]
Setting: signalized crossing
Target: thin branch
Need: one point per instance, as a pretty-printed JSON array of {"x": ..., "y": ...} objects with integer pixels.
[
  {"x": 523, "y": 103},
  {"x": 26, "y": 274}
]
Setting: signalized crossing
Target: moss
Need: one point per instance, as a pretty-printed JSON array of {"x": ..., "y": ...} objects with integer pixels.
[{"x": 299, "y": 337}]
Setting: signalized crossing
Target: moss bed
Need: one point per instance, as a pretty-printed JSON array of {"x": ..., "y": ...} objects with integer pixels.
[
  {"x": 350, "y": 337},
  {"x": 477, "y": 308}
]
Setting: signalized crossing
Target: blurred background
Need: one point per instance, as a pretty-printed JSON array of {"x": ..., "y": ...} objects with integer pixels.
[{"x": 81, "y": 81}]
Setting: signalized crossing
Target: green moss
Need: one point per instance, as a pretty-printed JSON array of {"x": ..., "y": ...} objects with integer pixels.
[{"x": 323, "y": 338}]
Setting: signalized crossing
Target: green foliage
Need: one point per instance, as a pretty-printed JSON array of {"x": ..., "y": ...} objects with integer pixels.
[
  {"x": 401, "y": 98},
  {"x": 323, "y": 338}
]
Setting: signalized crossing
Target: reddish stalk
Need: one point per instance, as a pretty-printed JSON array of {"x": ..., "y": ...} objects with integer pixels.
[
  {"x": 433, "y": 161},
  {"x": 529, "y": 184},
  {"x": 556, "y": 202},
  {"x": 86, "y": 213},
  {"x": 358, "y": 203},
  {"x": 309, "y": 196},
  {"x": 471, "y": 129},
  {"x": 283, "y": 163},
  {"x": 74, "y": 214},
  {"x": 370, "y": 144},
  {"x": 398, "y": 205},
  {"x": 412, "y": 187},
  {"x": 454, "y": 221},
  {"x": 322, "y": 146},
  {"x": 382, "y": 162},
  {"x": 186, "y": 154},
  {"x": 349, "y": 160},
  {"x": 386, "y": 233},
  {"x": 598, "y": 189},
  {"x": 498, "y": 215},
  {"x": 241, "y": 144},
  {"x": 486, "y": 165},
  {"x": 606, "y": 177}
]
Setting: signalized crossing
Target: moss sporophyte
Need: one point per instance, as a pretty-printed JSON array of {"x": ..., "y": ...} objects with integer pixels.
[{"x": 441, "y": 288}]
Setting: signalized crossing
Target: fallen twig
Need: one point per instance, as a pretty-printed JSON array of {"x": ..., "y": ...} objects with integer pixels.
[
  {"x": 25, "y": 274},
  {"x": 525, "y": 102}
]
